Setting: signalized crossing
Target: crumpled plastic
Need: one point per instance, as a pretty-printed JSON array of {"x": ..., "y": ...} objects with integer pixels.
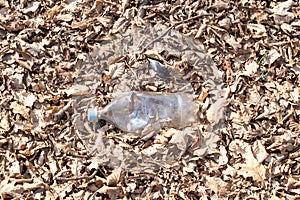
[{"x": 145, "y": 44}]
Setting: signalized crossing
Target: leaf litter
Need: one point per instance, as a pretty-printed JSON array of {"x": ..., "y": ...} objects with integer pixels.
[{"x": 255, "y": 157}]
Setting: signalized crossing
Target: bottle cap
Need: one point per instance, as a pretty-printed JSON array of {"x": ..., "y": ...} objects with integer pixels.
[{"x": 92, "y": 114}]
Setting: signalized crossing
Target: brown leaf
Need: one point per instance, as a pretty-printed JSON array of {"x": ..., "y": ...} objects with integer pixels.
[
  {"x": 4, "y": 121},
  {"x": 287, "y": 28},
  {"x": 282, "y": 7},
  {"x": 120, "y": 25},
  {"x": 125, "y": 4},
  {"x": 293, "y": 184},
  {"x": 113, "y": 192},
  {"x": 20, "y": 109},
  {"x": 114, "y": 178},
  {"x": 250, "y": 68},
  {"x": 25, "y": 64},
  {"x": 78, "y": 90},
  {"x": 231, "y": 40},
  {"x": 116, "y": 70},
  {"x": 251, "y": 167},
  {"x": 215, "y": 113},
  {"x": 217, "y": 184},
  {"x": 64, "y": 17},
  {"x": 257, "y": 30},
  {"x": 208, "y": 145},
  {"x": 271, "y": 57},
  {"x": 32, "y": 7},
  {"x": 81, "y": 24},
  {"x": 259, "y": 151}
]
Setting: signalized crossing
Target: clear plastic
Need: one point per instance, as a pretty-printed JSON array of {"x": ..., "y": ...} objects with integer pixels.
[
  {"x": 150, "y": 81},
  {"x": 146, "y": 113}
]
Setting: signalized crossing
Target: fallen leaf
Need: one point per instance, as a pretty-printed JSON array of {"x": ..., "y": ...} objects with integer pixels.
[
  {"x": 208, "y": 145},
  {"x": 15, "y": 169},
  {"x": 282, "y": 7},
  {"x": 4, "y": 121},
  {"x": 116, "y": 70},
  {"x": 114, "y": 178},
  {"x": 257, "y": 30},
  {"x": 252, "y": 167},
  {"x": 64, "y": 17},
  {"x": 287, "y": 28},
  {"x": 223, "y": 158},
  {"x": 215, "y": 113},
  {"x": 271, "y": 57},
  {"x": 217, "y": 184},
  {"x": 77, "y": 90},
  {"x": 250, "y": 68},
  {"x": 259, "y": 151},
  {"x": 296, "y": 23},
  {"x": 20, "y": 109},
  {"x": 231, "y": 40},
  {"x": 32, "y": 7},
  {"x": 293, "y": 184}
]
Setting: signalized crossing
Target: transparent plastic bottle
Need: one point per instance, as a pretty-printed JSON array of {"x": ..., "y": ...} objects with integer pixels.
[
  {"x": 145, "y": 113},
  {"x": 127, "y": 67}
]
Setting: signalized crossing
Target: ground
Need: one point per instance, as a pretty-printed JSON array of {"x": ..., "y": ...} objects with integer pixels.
[{"x": 255, "y": 44}]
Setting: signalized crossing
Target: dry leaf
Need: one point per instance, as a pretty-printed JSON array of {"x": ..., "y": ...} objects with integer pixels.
[
  {"x": 259, "y": 151},
  {"x": 116, "y": 70},
  {"x": 282, "y": 7},
  {"x": 114, "y": 178},
  {"x": 125, "y": 4},
  {"x": 81, "y": 24},
  {"x": 15, "y": 168},
  {"x": 179, "y": 140},
  {"x": 120, "y": 25},
  {"x": 217, "y": 185},
  {"x": 215, "y": 113},
  {"x": 257, "y": 30},
  {"x": 231, "y": 40},
  {"x": 254, "y": 96},
  {"x": 20, "y": 109},
  {"x": 4, "y": 121},
  {"x": 293, "y": 184},
  {"x": 287, "y": 28},
  {"x": 32, "y": 7},
  {"x": 208, "y": 145},
  {"x": 53, "y": 166},
  {"x": 25, "y": 64},
  {"x": 64, "y": 17},
  {"x": 296, "y": 23},
  {"x": 251, "y": 167},
  {"x": 271, "y": 57},
  {"x": 27, "y": 99},
  {"x": 77, "y": 90},
  {"x": 221, "y": 5},
  {"x": 113, "y": 192},
  {"x": 223, "y": 159},
  {"x": 250, "y": 68}
]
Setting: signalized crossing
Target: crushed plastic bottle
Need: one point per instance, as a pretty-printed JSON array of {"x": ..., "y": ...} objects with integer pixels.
[
  {"x": 143, "y": 81},
  {"x": 146, "y": 113}
]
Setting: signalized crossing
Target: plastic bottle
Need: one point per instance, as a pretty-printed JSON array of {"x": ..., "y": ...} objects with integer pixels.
[{"x": 145, "y": 113}]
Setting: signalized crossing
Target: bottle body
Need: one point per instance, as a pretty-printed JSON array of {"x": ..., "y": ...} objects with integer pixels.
[{"x": 139, "y": 111}]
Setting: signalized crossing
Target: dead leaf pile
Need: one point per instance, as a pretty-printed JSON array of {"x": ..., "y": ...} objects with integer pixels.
[{"x": 254, "y": 43}]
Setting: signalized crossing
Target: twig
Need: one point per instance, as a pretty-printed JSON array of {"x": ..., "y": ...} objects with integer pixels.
[
  {"x": 77, "y": 178},
  {"x": 60, "y": 113},
  {"x": 166, "y": 31}
]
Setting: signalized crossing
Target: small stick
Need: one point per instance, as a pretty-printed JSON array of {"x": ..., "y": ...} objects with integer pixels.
[
  {"x": 77, "y": 178},
  {"x": 166, "y": 31}
]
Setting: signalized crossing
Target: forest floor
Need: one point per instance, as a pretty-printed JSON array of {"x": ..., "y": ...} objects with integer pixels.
[{"x": 254, "y": 44}]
